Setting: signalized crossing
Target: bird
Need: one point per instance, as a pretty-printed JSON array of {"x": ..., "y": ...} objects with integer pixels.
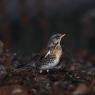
[
  {"x": 50, "y": 58},
  {"x": 52, "y": 54}
]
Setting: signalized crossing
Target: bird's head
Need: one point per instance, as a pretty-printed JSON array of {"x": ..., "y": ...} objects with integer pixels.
[{"x": 55, "y": 40}]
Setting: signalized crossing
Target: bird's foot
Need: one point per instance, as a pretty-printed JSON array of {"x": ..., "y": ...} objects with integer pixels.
[{"x": 45, "y": 70}]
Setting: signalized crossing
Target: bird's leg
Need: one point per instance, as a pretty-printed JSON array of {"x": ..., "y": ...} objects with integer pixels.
[{"x": 48, "y": 74}]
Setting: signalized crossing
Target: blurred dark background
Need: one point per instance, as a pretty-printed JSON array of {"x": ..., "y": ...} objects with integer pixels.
[{"x": 27, "y": 24}]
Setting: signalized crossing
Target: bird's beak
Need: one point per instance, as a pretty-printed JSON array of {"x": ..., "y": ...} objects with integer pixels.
[{"x": 62, "y": 35}]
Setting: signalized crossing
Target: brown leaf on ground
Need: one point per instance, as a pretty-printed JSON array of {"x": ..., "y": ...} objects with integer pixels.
[
  {"x": 81, "y": 89},
  {"x": 13, "y": 90}
]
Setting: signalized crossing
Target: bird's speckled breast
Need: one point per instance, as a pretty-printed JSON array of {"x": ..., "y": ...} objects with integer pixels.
[{"x": 51, "y": 60}]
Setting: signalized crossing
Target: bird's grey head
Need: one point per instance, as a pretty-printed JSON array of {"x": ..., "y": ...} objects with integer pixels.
[{"x": 55, "y": 40}]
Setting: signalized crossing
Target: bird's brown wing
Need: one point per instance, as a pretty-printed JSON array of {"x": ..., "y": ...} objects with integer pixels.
[
  {"x": 35, "y": 61},
  {"x": 43, "y": 53}
]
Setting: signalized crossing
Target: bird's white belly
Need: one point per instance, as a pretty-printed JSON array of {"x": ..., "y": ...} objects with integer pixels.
[{"x": 51, "y": 65}]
